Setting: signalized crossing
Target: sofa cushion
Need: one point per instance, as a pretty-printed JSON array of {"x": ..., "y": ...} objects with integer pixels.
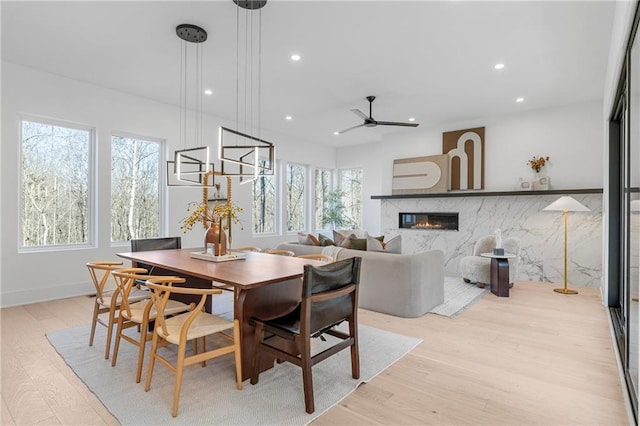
[
  {"x": 394, "y": 245},
  {"x": 357, "y": 243},
  {"x": 325, "y": 241},
  {"x": 307, "y": 239}
]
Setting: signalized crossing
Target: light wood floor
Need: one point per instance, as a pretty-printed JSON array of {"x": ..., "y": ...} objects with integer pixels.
[{"x": 535, "y": 358}]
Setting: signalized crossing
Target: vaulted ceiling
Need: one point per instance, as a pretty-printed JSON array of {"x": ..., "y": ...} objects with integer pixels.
[{"x": 432, "y": 60}]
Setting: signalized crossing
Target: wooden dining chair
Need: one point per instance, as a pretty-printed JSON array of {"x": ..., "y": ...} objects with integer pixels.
[
  {"x": 247, "y": 248},
  {"x": 108, "y": 301},
  {"x": 138, "y": 314},
  {"x": 281, "y": 252},
  {"x": 329, "y": 297},
  {"x": 317, "y": 256},
  {"x": 192, "y": 326}
]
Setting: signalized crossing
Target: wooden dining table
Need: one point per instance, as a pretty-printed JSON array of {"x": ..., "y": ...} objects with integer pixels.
[{"x": 264, "y": 285}]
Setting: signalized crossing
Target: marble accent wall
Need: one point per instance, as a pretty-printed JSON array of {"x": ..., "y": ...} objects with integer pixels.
[{"x": 521, "y": 216}]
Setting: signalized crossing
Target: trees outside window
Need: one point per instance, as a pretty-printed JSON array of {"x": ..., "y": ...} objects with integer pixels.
[
  {"x": 55, "y": 183},
  {"x": 350, "y": 184},
  {"x": 264, "y": 205},
  {"x": 323, "y": 188},
  {"x": 135, "y": 188},
  {"x": 294, "y": 192}
]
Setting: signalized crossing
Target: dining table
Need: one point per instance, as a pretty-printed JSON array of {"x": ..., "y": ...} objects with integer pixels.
[{"x": 264, "y": 285}]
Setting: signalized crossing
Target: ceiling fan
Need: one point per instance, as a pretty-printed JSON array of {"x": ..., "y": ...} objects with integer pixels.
[{"x": 370, "y": 122}]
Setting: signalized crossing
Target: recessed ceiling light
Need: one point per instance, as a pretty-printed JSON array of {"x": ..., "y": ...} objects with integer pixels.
[
  {"x": 520, "y": 100},
  {"x": 498, "y": 66},
  {"x": 412, "y": 119},
  {"x": 288, "y": 117},
  {"x": 295, "y": 57},
  {"x": 208, "y": 92},
  {"x": 336, "y": 133}
]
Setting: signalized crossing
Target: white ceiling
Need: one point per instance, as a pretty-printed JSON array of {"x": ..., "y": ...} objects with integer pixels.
[{"x": 425, "y": 59}]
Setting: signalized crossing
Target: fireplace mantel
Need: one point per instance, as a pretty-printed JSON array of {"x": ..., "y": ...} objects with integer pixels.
[{"x": 490, "y": 193}]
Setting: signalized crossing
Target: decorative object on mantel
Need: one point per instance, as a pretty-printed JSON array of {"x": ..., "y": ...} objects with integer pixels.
[
  {"x": 566, "y": 204},
  {"x": 420, "y": 175},
  {"x": 466, "y": 161},
  {"x": 540, "y": 181}
]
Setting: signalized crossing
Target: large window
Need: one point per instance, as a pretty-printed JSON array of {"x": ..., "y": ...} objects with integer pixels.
[
  {"x": 351, "y": 188},
  {"x": 55, "y": 184},
  {"x": 135, "y": 188},
  {"x": 264, "y": 205},
  {"x": 323, "y": 190},
  {"x": 296, "y": 175}
]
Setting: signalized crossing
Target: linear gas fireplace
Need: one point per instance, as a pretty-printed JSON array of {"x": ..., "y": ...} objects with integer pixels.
[{"x": 429, "y": 221}]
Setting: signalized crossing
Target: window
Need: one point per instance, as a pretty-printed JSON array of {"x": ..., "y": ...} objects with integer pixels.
[
  {"x": 323, "y": 189},
  {"x": 351, "y": 187},
  {"x": 264, "y": 205},
  {"x": 295, "y": 197},
  {"x": 55, "y": 184},
  {"x": 135, "y": 188}
]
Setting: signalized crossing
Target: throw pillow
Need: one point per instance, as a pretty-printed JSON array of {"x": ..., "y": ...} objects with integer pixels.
[
  {"x": 359, "y": 233},
  {"x": 325, "y": 241},
  {"x": 374, "y": 244},
  {"x": 358, "y": 243},
  {"x": 394, "y": 245},
  {"x": 342, "y": 241},
  {"x": 307, "y": 239}
]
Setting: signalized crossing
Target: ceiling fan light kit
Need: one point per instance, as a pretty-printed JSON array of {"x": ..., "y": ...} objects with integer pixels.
[{"x": 371, "y": 122}]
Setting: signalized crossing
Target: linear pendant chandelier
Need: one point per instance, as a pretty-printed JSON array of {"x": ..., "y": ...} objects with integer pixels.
[
  {"x": 192, "y": 162},
  {"x": 242, "y": 151}
]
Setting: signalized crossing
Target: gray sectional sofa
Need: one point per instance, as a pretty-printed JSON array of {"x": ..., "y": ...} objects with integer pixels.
[{"x": 404, "y": 285}]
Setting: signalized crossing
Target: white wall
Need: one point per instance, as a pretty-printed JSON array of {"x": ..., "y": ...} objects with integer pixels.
[
  {"x": 31, "y": 277},
  {"x": 570, "y": 135}
]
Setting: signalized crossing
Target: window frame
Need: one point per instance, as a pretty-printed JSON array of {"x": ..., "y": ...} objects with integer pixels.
[{"x": 91, "y": 185}]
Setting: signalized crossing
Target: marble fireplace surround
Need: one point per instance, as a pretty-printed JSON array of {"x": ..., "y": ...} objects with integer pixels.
[{"x": 517, "y": 214}]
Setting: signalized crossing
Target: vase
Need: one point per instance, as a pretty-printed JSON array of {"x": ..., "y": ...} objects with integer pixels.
[{"x": 215, "y": 238}]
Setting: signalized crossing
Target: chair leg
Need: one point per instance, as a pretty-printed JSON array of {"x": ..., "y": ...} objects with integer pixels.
[
  {"x": 143, "y": 343},
  {"x": 204, "y": 349},
  {"x": 152, "y": 361},
  {"x": 94, "y": 322},
  {"x": 355, "y": 352},
  {"x": 255, "y": 361},
  {"x": 116, "y": 345},
  {"x": 178, "y": 384},
  {"x": 112, "y": 319},
  {"x": 307, "y": 378},
  {"x": 236, "y": 345}
]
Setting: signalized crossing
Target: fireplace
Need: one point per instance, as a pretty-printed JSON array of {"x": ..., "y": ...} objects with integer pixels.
[{"x": 429, "y": 221}]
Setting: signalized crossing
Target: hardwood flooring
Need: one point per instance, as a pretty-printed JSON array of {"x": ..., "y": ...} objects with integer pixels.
[{"x": 535, "y": 358}]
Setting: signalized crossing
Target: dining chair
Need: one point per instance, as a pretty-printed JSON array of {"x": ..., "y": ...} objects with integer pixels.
[
  {"x": 192, "y": 326},
  {"x": 247, "y": 248},
  {"x": 329, "y": 297},
  {"x": 138, "y": 314},
  {"x": 281, "y": 252},
  {"x": 108, "y": 301},
  {"x": 317, "y": 256},
  {"x": 146, "y": 244}
]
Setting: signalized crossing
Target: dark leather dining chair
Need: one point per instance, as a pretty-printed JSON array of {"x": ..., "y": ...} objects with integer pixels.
[
  {"x": 329, "y": 297},
  {"x": 146, "y": 244}
]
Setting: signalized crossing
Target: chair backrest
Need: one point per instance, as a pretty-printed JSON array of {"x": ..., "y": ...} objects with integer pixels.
[
  {"x": 125, "y": 279},
  {"x": 165, "y": 243},
  {"x": 485, "y": 244},
  {"x": 162, "y": 288},
  {"x": 281, "y": 252},
  {"x": 329, "y": 295},
  {"x": 99, "y": 272}
]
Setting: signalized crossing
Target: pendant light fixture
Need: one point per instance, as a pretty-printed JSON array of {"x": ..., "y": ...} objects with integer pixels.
[
  {"x": 242, "y": 151},
  {"x": 192, "y": 162}
]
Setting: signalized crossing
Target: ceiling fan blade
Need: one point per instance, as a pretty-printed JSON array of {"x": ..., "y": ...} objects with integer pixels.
[
  {"x": 350, "y": 128},
  {"x": 359, "y": 113},
  {"x": 395, "y": 123}
]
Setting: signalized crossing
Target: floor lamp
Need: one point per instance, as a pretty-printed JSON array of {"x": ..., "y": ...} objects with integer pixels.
[{"x": 566, "y": 204}]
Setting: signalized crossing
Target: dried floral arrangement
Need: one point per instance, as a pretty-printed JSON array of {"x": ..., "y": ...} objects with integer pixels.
[
  {"x": 201, "y": 212},
  {"x": 537, "y": 163}
]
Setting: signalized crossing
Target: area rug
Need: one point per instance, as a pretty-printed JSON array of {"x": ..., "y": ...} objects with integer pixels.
[
  {"x": 209, "y": 394},
  {"x": 458, "y": 296}
]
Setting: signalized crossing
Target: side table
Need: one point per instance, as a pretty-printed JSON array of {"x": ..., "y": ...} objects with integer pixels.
[{"x": 499, "y": 273}]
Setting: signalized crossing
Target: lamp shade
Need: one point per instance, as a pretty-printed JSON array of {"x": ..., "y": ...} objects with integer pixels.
[{"x": 566, "y": 204}]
